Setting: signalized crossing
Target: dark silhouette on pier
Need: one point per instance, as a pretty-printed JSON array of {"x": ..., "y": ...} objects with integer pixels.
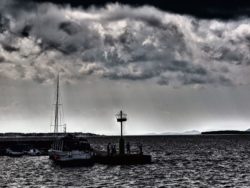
[
  {"x": 108, "y": 148},
  {"x": 128, "y": 147},
  {"x": 140, "y": 149}
]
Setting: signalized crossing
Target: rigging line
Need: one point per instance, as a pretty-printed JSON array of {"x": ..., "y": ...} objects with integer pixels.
[
  {"x": 52, "y": 99},
  {"x": 63, "y": 115},
  {"x": 59, "y": 111},
  {"x": 62, "y": 110},
  {"x": 60, "y": 119},
  {"x": 57, "y": 104}
]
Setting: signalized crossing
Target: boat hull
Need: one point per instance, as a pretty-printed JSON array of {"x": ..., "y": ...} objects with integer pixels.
[
  {"x": 73, "y": 158},
  {"x": 12, "y": 153}
]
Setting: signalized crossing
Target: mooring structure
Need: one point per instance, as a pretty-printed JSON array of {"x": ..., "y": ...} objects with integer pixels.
[{"x": 121, "y": 117}]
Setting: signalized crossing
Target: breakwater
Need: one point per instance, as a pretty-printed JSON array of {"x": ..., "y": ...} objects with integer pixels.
[{"x": 41, "y": 141}]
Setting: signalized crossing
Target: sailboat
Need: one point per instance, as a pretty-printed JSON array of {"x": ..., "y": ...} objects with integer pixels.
[{"x": 68, "y": 150}]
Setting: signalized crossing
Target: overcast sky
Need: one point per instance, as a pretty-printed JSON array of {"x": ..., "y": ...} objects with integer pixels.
[{"x": 169, "y": 69}]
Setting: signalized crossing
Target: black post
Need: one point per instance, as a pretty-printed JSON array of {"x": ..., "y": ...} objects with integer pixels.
[
  {"x": 120, "y": 119},
  {"x": 121, "y": 142},
  {"x": 121, "y": 146}
]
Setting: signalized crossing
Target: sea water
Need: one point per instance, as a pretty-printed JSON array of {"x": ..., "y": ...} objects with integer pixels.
[{"x": 178, "y": 161}]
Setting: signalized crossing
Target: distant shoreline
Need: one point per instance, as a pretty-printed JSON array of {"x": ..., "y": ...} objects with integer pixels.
[
  {"x": 226, "y": 132},
  {"x": 81, "y": 134}
]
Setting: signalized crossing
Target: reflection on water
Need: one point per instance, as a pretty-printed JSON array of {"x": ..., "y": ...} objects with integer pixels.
[{"x": 191, "y": 161}]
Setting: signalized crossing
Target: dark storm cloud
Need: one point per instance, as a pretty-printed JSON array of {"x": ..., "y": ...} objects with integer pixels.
[
  {"x": 122, "y": 42},
  {"x": 69, "y": 28},
  {"x": 222, "y": 9}
]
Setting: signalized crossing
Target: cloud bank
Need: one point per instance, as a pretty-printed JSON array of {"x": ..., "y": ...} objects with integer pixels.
[{"x": 120, "y": 42}]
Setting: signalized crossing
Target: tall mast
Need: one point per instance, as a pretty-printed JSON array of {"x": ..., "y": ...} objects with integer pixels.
[{"x": 57, "y": 105}]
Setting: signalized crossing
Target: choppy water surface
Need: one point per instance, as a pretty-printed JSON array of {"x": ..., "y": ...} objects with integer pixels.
[{"x": 190, "y": 161}]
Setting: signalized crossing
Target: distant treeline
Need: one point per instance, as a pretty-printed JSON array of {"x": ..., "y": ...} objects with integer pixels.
[
  {"x": 45, "y": 134},
  {"x": 226, "y": 132}
]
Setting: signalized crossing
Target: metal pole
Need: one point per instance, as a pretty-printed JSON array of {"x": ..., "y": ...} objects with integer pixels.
[
  {"x": 121, "y": 123},
  {"x": 121, "y": 142},
  {"x": 56, "y": 107}
]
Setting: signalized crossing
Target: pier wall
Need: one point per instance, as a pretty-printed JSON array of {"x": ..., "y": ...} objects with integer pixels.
[{"x": 41, "y": 143}]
